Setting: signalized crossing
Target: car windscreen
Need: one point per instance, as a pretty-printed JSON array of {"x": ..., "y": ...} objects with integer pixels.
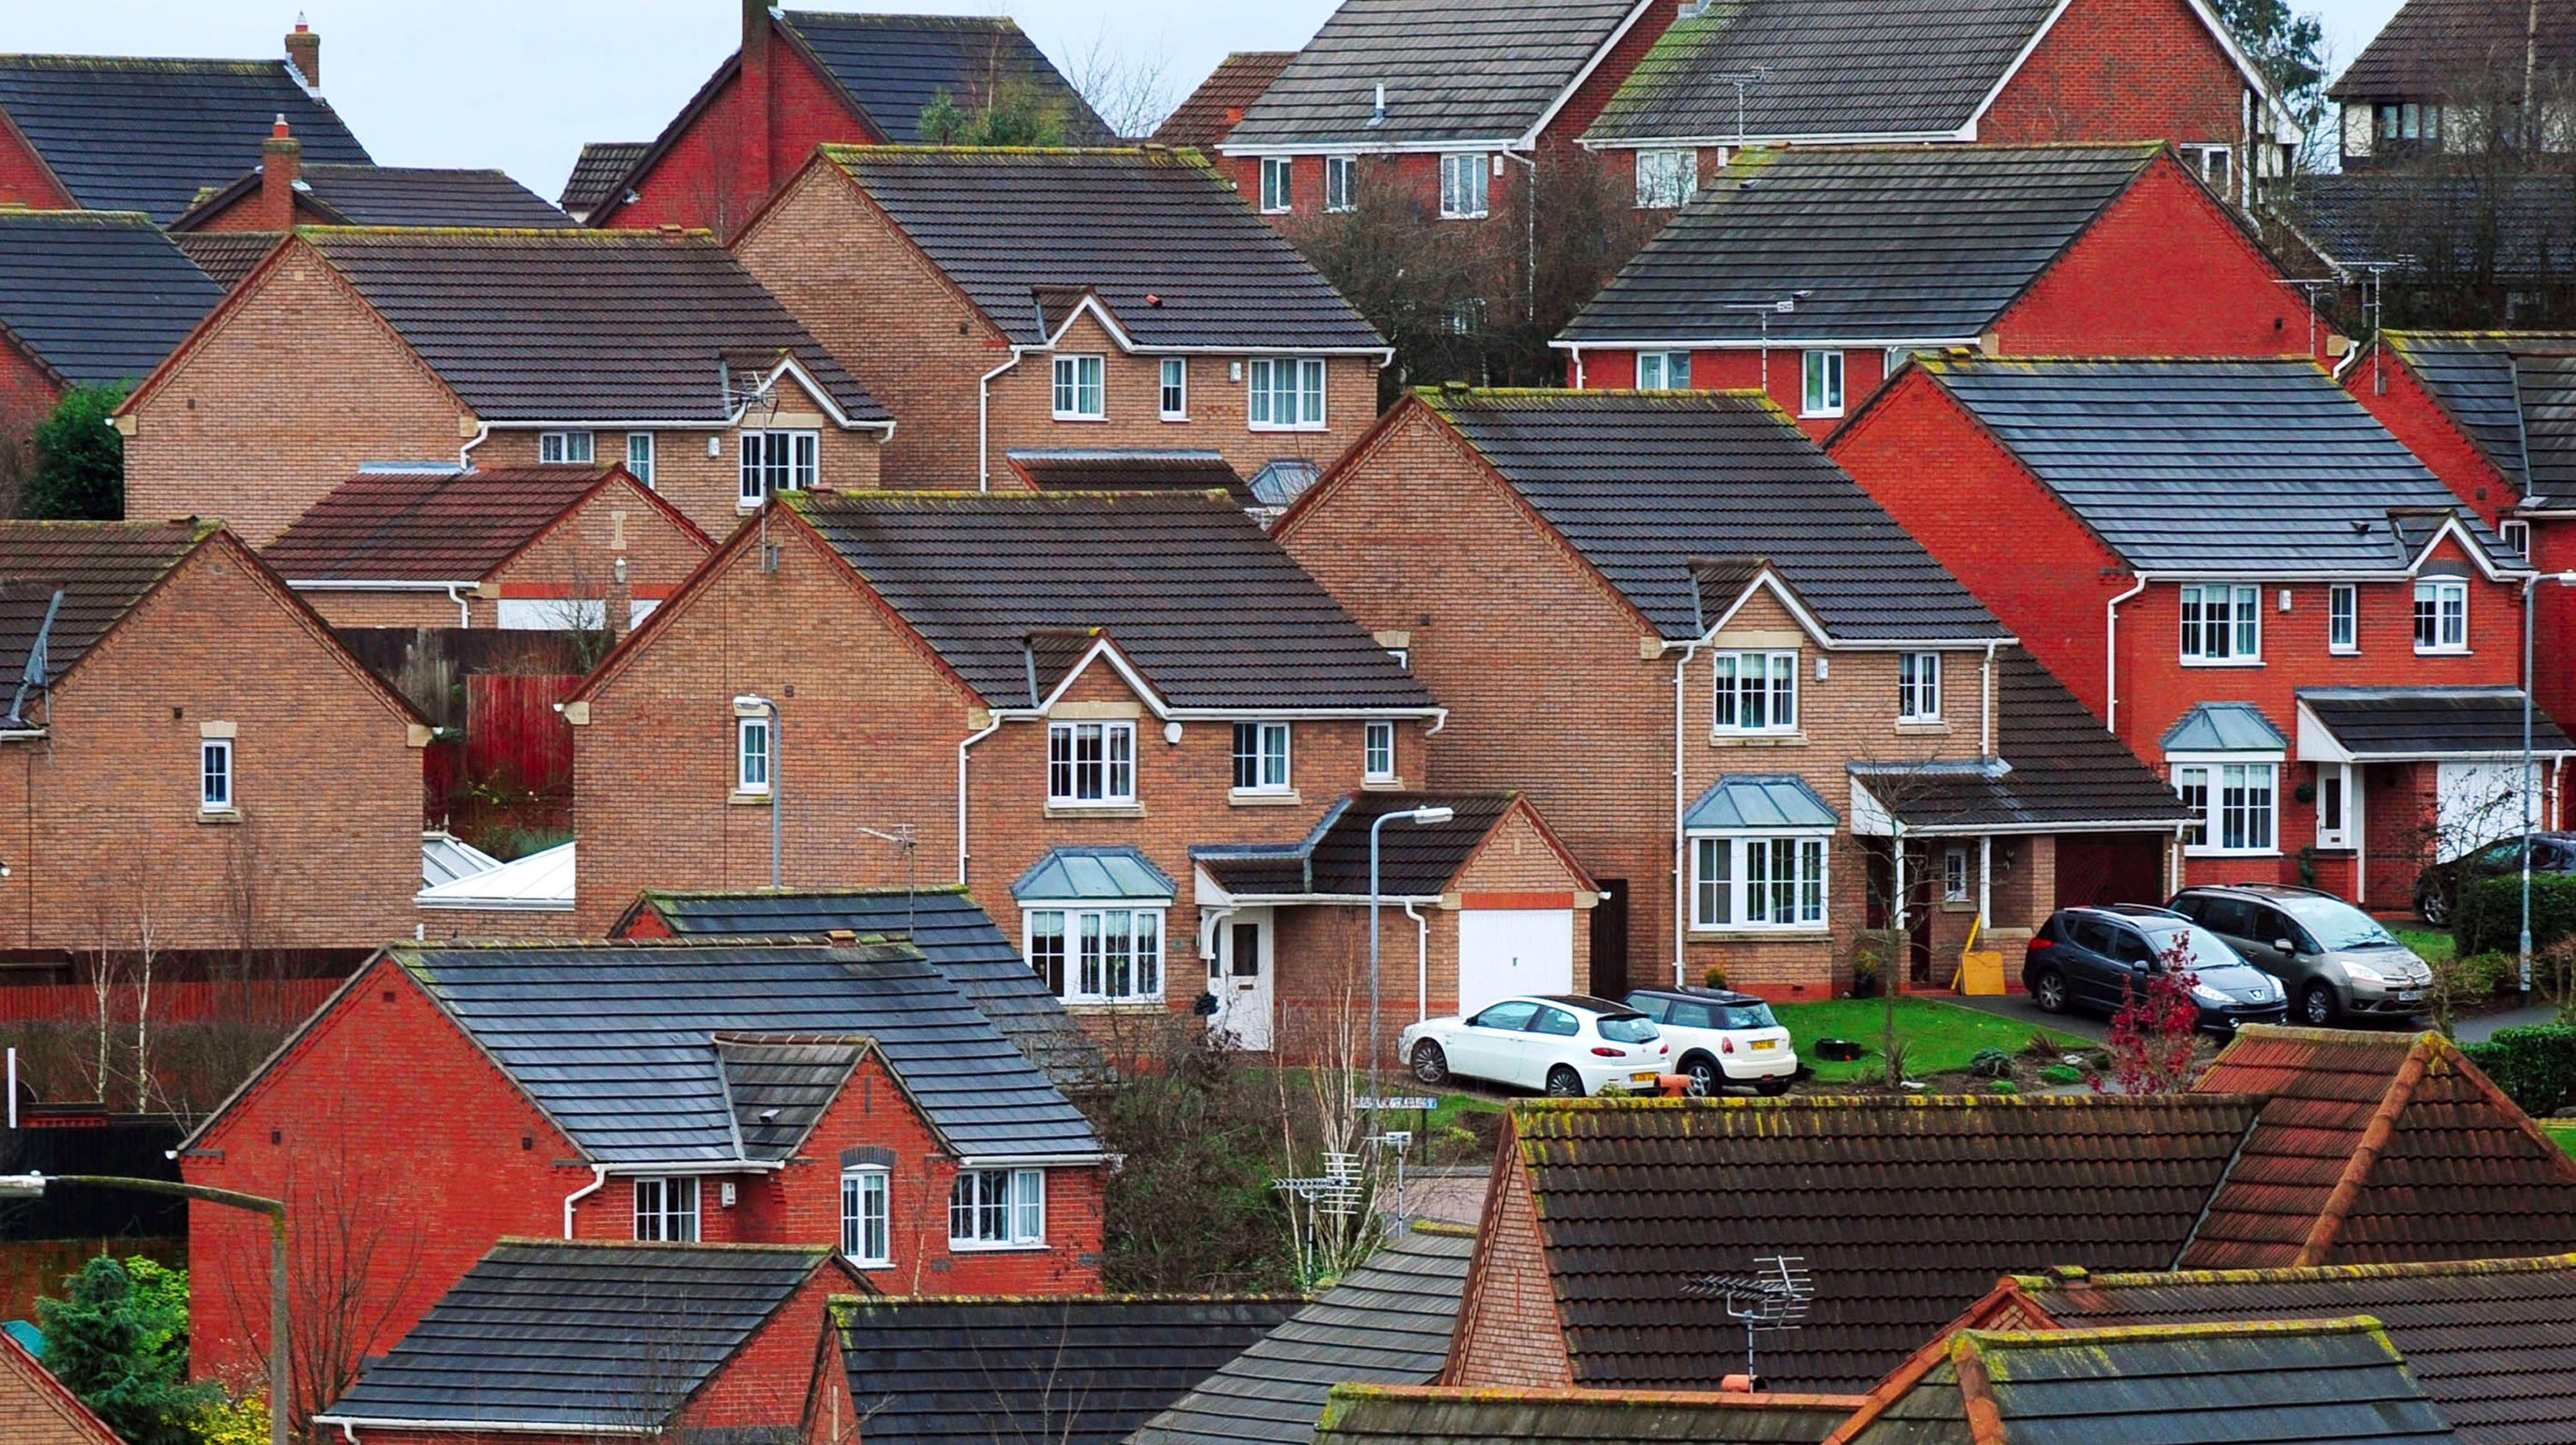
[
  {"x": 1627, "y": 1028},
  {"x": 1746, "y": 1016},
  {"x": 2201, "y": 948},
  {"x": 2336, "y": 924}
]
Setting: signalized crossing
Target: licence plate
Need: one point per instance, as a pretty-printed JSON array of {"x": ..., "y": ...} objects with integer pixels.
[
  {"x": 1641, "y": 1078},
  {"x": 1760, "y": 1044},
  {"x": 2409, "y": 995}
]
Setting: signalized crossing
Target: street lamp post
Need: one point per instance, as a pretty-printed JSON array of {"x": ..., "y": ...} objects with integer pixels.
[
  {"x": 2522, "y": 951},
  {"x": 1420, "y": 817},
  {"x": 31, "y": 1186}
]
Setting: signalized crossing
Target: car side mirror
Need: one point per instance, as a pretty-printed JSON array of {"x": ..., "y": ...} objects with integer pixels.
[{"x": 2285, "y": 945}]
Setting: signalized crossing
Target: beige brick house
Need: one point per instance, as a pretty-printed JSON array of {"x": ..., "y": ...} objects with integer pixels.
[
  {"x": 1115, "y": 300},
  {"x": 490, "y": 348}
]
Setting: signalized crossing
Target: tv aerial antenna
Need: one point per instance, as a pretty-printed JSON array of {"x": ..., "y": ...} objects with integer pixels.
[{"x": 1774, "y": 1297}]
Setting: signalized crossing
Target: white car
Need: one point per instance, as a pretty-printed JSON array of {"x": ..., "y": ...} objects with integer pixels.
[
  {"x": 1720, "y": 1037},
  {"x": 1564, "y": 1044}
]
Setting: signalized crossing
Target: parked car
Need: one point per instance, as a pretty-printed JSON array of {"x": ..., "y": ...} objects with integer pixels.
[
  {"x": 1566, "y": 1044},
  {"x": 2333, "y": 958},
  {"x": 2096, "y": 958},
  {"x": 1719, "y": 1037},
  {"x": 2439, "y": 887}
]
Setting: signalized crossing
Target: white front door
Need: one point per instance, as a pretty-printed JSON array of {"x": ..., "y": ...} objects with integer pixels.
[
  {"x": 1504, "y": 951},
  {"x": 1241, "y": 980}
]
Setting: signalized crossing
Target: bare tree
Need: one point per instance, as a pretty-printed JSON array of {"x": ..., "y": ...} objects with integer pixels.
[{"x": 1130, "y": 90}]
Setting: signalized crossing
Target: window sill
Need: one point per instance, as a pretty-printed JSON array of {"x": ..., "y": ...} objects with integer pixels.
[
  {"x": 1465, "y": 215},
  {"x": 1095, "y": 810},
  {"x": 219, "y": 815},
  {"x": 1284, "y": 798},
  {"x": 2191, "y": 852},
  {"x": 1266, "y": 429},
  {"x": 748, "y": 800},
  {"x": 866, "y": 1264},
  {"x": 1924, "y": 726},
  {"x": 2343, "y": 652},
  {"x": 2444, "y": 652},
  {"x": 974, "y": 1246},
  {"x": 1103, "y": 1008},
  {"x": 2222, "y": 662},
  {"x": 1723, "y": 739},
  {"x": 1180, "y": 420},
  {"x": 1803, "y": 933},
  {"x": 1820, "y": 415},
  {"x": 1382, "y": 785},
  {"x": 1958, "y": 905},
  {"x": 1060, "y": 416}
]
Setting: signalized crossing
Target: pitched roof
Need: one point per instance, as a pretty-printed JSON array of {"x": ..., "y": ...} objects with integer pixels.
[
  {"x": 1760, "y": 800},
  {"x": 369, "y": 195},
  {"x": 571, "y": 1334},
  {"x": 2257, "y": 464},
  {"x": 2065, "y": 770},
  {"x": 102, "y": 569},
  {"x": 2430, "y": 47},
  {"x": 1188, "y": 588},
  {"x": 1649, "y": 486},
  {"x": 1129, "y": 469},
  {"x": 598, "y": 171},
  {"x": 1435, "y": 1415},
  {"x": 1387, "y": 1321},
  {"x": 2223, "y": 727},
  {"x": 97, "y": 296},
  {"x": 146, "y": 135},
  {"x": 1155, "y": 236},
  {"x": 582, "y": 325},
  {"x": 617, "y": 1042},
  {"x": 1068, "y": 1370},
  {"x": 1211, "y": 111},
  {"x": 952, "y": 930},
  {"x": 891, "y": 65},
  {"x": 1454, "y": 70},
  {"x": 1415, "y": 860},
  {"x": 2489, "y": 1340},
  {"x": 439, "y": 524},
  {"x": 1072, "y": 871},
  {"x": 2378, "y": 1148},
  {"x": 2422, "y": 722},
  {"x": 227, "y": 256},
  {"x": 1879, "y": 246},
  {"x": 36, "y": 1408},
  {"x": 2513, "y": 394},
  {"x": 2450, "y": 227}
]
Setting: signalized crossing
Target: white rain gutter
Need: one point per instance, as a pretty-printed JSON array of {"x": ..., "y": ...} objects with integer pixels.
[
  {"x": 983, "y": 483},
  {"x": 970, "y": 740},
  {"x": 2111, "y": 655},
  {"x": 598, "y": 1181},
  {"x": 465, "y": 453}
]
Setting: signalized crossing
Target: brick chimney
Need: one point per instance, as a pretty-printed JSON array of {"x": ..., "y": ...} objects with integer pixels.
[
  {"x": 757, "y": 121},
  {"x": 281, "y": 157},
  {"x": 304, "y": 52}
]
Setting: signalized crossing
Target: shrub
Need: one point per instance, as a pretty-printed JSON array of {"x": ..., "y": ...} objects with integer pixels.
[
  {"x": 2536, "y": 1065},
  {"x": 1991, "y": 1064},
  {"x": 2062, "y": 1074},
  {"x": 2490, "y": 913},
  {"x": 2004, "y": 1086},
  {"x": 1715, "y": 977},
  {"x": 2154, "y": 1040},
  {"x": 118, "y": 1339},
  {"x": 80, "y": 459}
]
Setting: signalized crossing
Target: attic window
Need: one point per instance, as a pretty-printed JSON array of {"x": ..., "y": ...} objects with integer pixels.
[{"x": 564, "y": 448}]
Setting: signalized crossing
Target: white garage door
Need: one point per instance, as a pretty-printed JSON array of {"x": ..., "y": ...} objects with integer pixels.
[
  {"x": 1504, "y": 951},
  {"x": 2478, "y": 803}
]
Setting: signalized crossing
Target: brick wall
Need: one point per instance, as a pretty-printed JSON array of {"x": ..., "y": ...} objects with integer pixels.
[
  {"x": 706, "y": 485},
  {"x": 24, "y": 178},
  {"x": 27, "y": 396},
  {"x": 2122, "y": 70},
  {"x": 1509, "y": 1332},
  {"x": 1781, "y": 375},
  {"x": 744, "y": 143}
]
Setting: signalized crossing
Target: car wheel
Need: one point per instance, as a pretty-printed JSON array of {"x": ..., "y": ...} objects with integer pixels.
[
  {"x": 1705, "y": 1082},
  {"x": 1429, "y": 1064},
  {"x": 2048, "y": 990},
  {"x": 2317, "y": 1006},
  {"x": 1772, "y": 1087},
  {"x": 1564, "y": 1083},
  {"x": 2433, "y": 902}
]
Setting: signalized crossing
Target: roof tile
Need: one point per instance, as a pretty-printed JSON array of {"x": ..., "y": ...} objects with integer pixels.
[
  {"x": 148, "y": 135},
  {"x": 97, "y": 296}
]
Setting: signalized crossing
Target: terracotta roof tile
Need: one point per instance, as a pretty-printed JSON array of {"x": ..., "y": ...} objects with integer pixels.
[
  {"x": 434, "y": 525},
  {"x": 1220, "y": 101}
]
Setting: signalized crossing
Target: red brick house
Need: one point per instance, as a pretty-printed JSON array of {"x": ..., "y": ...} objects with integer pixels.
[
  {"x": 1813, "y": 274},
  {"x": 495, "y": 349},
  {"x": 157, "y": 763},
  {"x": 2253, "y": 583},
  {"x": 839, "y": 1093},
  {"x": 1095, "y": 299},
  {"x": 1728, "y": 678},
  {"x": 549, "y": 547},
  {"x": 804, "y": 78},
  {"x": 282, "y": 193},
  {"x": 35, "y": 1408}
]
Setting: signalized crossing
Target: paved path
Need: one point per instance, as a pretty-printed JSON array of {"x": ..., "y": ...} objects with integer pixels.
[
  {"x": 2019, "y": 1008},
  {"x": 2477, "y": 1030}
]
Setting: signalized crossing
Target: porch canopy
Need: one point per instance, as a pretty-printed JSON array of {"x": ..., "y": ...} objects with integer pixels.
[{"x": 2471, "y": 737}]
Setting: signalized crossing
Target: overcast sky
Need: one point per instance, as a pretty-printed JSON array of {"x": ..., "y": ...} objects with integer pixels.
[{"x": 520, "y": 84}]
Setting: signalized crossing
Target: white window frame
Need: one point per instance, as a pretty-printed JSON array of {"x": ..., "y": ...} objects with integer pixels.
[
  {"x": 777, "y": 459},
  {"x": 1463, "y": 193},
  {"x": 2449, "y": 600},
  {"x": 1270, "y": 756},
  {"x": 1666, "y": 179},
  {"x": 1111, "y": 766},
  {"x": 2238, "y": 635},
  {"x": 755, "y": 758},
  {"x": 1918, "y": 687},
  {"x": 1081, "y": 389},
  {"x": 1820, "y": 382},
  {"x": 1663, "y": 370},
  {"x": 1341, "y": 184},
  {"x": 665, "y": 1219},
  {"x": 1173, "y": 393},
  {"x": 1733, "y": 686},
  {"x": 1278, "y": 177},
  {"x": 1303, "y": 395},
  {"x": 867, "y": 1215},
  {"x": 216, "y": 779},
  {"x": 639, "y": 456},
  {"x": 1091, "y": 943},
  {"x": 1377, "y": 752},
  {"x": 565, "y": 448},
  {"x": 1722, "y": 881},
  {"x": 1013, "y": 1201},
  {"x": 2225, "y": 826},
  {"x": 2515, "y": 534},
  {"x": 1954, "y": 874},
  {"x": 2343, "y": 618}
]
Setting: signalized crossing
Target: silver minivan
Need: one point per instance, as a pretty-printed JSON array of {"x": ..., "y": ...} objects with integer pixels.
[{"x": 2335, "y": 960}]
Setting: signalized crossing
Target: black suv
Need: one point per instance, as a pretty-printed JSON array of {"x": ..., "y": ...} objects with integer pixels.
[{"x": 2096, "y": 958}]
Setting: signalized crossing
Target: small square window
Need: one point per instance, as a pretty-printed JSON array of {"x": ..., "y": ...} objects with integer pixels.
[
  {"x": 1276, "y": 176},
  {"x": 1663, "y": 370},
  {"x": 2516, "y": 535},
  {"x": 1341, "y": 183},
  {"x": 1261, "y": 757},
  {"x": 639, "y": 456},
  {"x": 1822, "y": 393},
  {"x": 1377, "y": 748},
  {"x": 1666, "y": 178},
  {"x": 666, "y": 1209},
  {"x": 564, "y": 447},
  {"x": 1078, "y": 394},
  {"x": 214, "y": 775},
  {"x": 1176, "y": 388}
]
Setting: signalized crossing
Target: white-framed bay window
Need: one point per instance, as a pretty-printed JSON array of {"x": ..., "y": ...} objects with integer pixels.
[
  {"x": 1285, "y": 393},
  {"x": 1759, "y": 883},
  {"x": 1754, "y": 692},
  {"x": 778, "y": 461},
  {"x": 2222, "y": 623},
  {"x": 1462, "y": 185},
  {"x": 997, "y": 1209},
  {"x": 1096, "y": 953},
  {"x": 1091, "y": 764},
  {"x": 2442, "y": 614},
  {"x": 2235, "y": 804},
  {"x": 866, "y": 1215},
  {"x": 1079, "y": 393}
]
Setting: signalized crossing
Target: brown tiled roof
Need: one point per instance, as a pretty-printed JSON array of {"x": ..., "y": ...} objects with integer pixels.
[
  {"x": 1445, "y": 1415},
  {"x": 1415, "y": 860},
  {"x": 2376, "y": 1148},
  {"x": 438, "y": 525},
  {"x": 102, "y": 568},
  {"x": 35, "y": 1408},
  {"x": 601, "y": 168},
  {"x": 1222, "y": 98},
  {"x": 227, "y": 256},
  {"x": 2065, "y": 769},
  {"x": 2435, "y": 48},
  {"x": 1129, "y": 469},
  {"x": 395, "y": 196}
]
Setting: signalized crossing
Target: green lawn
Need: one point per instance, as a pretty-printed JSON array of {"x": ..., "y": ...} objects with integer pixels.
[
  {"x": 1939, "y": 1037},
  {"x": 2430, "y": 944},
  {"x": 2565, "y": 1134}
]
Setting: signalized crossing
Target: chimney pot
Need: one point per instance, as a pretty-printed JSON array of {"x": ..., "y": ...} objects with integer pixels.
[
  {"x": 1741, "y": 1384},
  {"x": 281, "y": 158},
  {"x": 304, "y": 52}
]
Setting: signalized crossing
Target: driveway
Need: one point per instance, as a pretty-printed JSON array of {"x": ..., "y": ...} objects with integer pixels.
[{"x": 2019, "y": 1008}]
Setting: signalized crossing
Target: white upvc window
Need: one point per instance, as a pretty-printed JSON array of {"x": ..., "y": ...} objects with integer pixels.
[
  {"x": 1663, "y": 370},
  {"x": 666, "y": 1209},
  {"x": 1666, "y": 178},
  {"x": 997, "y": 1209},
  {"x": 566, "y": 447},
  {"x": 1092, "y": 954},
  {"x": 1462, "y": 186},
  {"x": 1078, "y": 391},
  {"x": 2441, "y": 614},
  {"x": 1766, "y": 884},
  {"x": 1091, "y": 764},
  {"x": 2235, "y": 806},
  {"x": 214, "y": 775},
  {"x": 2516, "y": 535},
  {"x": 778, "y": 461},
  {"x": 2343, "y": 618},
  {"x": 1377, "y": 753},
  {"x": 866, "y": 1219},
  {"x": 1341, "y": 183},
  {"x": 1261, "y": 757},
  {"x": 1176, "y": 388},
  {"x": 2222, "y": 624},
  {"x": 1286, "y": 393},
  {"x": 1755, "y": 692},
  {"x": 1821, "y": 390},
  {"x": 639, "y": 456},
  {"x": 1918, "y": 687},
  {"x": 1954, "y": 874},
  {"x": 753, "y": 762},
  {"x": 1276, "y": 172}
]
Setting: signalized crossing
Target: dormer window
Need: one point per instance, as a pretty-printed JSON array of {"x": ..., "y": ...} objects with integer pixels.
[
  {"x": 2442, "y": 615},
  {"x": 1078, "y": 393}
]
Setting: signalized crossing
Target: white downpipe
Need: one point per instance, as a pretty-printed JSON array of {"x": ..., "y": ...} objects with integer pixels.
[
  {"x": 464, "y": 613},
  {"x": 1421, "y": 962},
  {"x": 1681, "y": 844},
  {"x": 1985, "y": 882},
  {"x": 1578, "y": 367},
  {"x": 465, "y": 453},
  {"x": 983, "y": 483},
  {"x": 970, "y": 740},
  {"x": 2111, "y": 655},
  {"x": 598, "y": 1179},
  {"x": 1986, "y": 704}
]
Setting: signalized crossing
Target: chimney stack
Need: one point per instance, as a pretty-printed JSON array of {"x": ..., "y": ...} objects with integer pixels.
[
  {"x": 753, "y": 130},
  {"x": 281, "y": 156},
  {"x": 304, "y": 52}
]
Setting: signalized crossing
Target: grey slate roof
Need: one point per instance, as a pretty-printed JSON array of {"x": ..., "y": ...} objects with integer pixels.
[
  {"x": 2447, "y": 227},
  {"x": 97, "y": 296},
  {"x": 2247, "y": 464},
  {"x": 147, "y": 135},
  {"x": 619, "y": 1042},
  {"x": 1895, "y": 246},
  {"x": 953, "y": 932},
  {"x": 1454, "y": 70},
  {"x": 1760, "y": 800},
  {"x": 2065, "y": 770},
  {"x": 1129, "y": 469},
  {"x": 1068, "y": 1370},
  {"x": 1386, "y": 1322},
  {"x": 1397, "y": 1415},
  {"x": 1164, "y": 242},
  {"x": 2512, "y": 393},
  {"x": 2431, "y": 721},
  {"x": 1832, "y": 68},
  {"x": 1206, "y": 605},
  {"x": 1094, "y": 871},
  {"x": 581, "y": 325},
  {"x": 1649, "y": 486},
  {"x": 399, "y": 196},
  {"x": 598, "y": 171},
  {"x": 2429, "y": 47},
  {"x": 1415, "y": 860},
  {"x": 891, "y": 65},
  {"x": 2223, "y": 727},
  {"x": 556, "y": 1333}
]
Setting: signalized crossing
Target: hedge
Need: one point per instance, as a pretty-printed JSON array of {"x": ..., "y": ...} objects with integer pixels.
[
  {"x": 2490, "y": 916},
  {"x": 2536, "y": 1065}
]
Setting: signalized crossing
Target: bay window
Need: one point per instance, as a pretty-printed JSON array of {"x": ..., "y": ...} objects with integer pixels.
[
  {"x": 2222, "y": 623},
  {"x": 2442, "y": 615},
  {"x": 1098, "y": 954},
  {"x": 2234, "y": 806},
  {"x": 1091, "y": 763},
  {"x": 1756, "y": 692},
  {"x": 997, "y": 1209},
  {"x": 1758, "y": 884},
  {"x": 1286, "y": 393}
]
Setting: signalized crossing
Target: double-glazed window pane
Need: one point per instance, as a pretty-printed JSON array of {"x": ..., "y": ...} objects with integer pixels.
[
  {"x": 1275, "y": 174},
  {"x": 564, "y": 446},
  {"x": 1378, "y": 752},
  {"x": 1077, "y": 387},
  {"x": 997, "y": 1207},
  {"x": 1918, "y": 686},
  {"x": 864, "y": 1217},
  {"x": 1713, "y": 903},
  {"x": 214, "y": 775},
  {"x": 2343, "y": 631},
  {"x": 639, "y": 456},
  {"x": 751, "y": 755},
  {"x": 1091, "y": 762},
  {"x": 1260, "y": 757},
  {"x": 1287, "y": 391},
  {"x": 1176, "y": 388},
  {"x": 1666, "y": 178},
  {"x": 1823, "y": 389},
  {"x": 777, "y": 461},
  {"x": 666, "y": 1209},
  {"x": 1756, "y": 691},
  {"x": 1118, "y": 952},
  {"x": 1757, "y": 882},
  {"x": 2441, "y": 616},
  {"x": 1663, "y": 371},
  {"x": 2221, "y": 623},
  {"x": 1462, "y": 186},
  {"x": 1341, "y": 183},
  {"x": 2233, "y": 805}
]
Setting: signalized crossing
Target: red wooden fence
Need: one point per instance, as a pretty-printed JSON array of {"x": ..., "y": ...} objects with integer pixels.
[{"x": 514, "y": 738}]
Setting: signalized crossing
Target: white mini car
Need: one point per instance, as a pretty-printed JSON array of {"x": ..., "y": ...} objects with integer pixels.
[
  {"x": 1565, "y": 1044},
  {"x": 1720, "y": 1037}
]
